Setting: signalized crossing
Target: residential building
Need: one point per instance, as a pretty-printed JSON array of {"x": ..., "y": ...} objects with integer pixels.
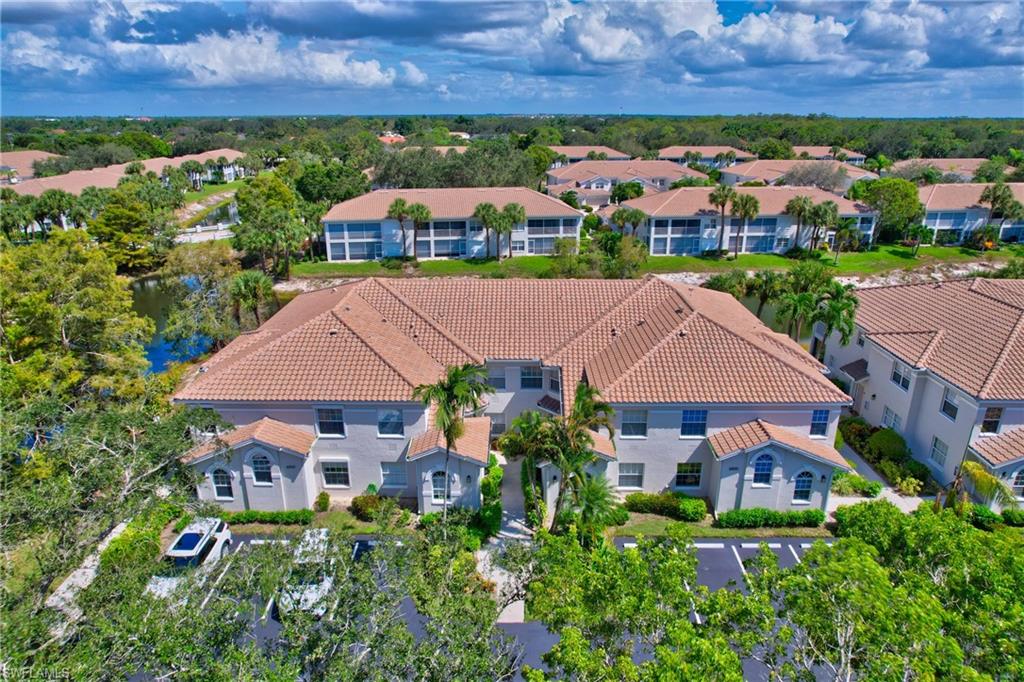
[
  {"x": 824, "y": 153},
  {"x": 716, "y": 156},
  {"x": 684, "y": 221},
  {"x": 707, "y": 399},
  {"x": 963, "y": 168},
  {"x": 771, "y": 172},
  {"x": 17, "y": 166},
  {"x": 441, "y": 149},
  {"x": 574, "y": 153},
  {"x": 954, "y": 210},
  {"x": 359, "y": 229},
  {"x": 943, "y": 364},
  {"x": 461, "y": 134},
  {"x": 593, "y": 180},
  {"x": 389, "y": 137}
]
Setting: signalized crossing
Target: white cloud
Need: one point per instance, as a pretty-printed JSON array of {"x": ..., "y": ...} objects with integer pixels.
[
  {"x": 443, "y": 92},
  {"x": 22, "y": 49},
  {"x": 413, "y": 75}
]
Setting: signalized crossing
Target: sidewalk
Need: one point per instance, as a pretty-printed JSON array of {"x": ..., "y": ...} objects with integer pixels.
[{"x": 906, "y": 503}]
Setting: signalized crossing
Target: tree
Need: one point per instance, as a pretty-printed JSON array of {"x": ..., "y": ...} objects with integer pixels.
[
  {"x": 897, "y": 203},
  {"x": 399, "y": 210},
  {"x": 766, "y": 286},
  {"x": 513, "y": 215},
  {"x": 721, "y": 197},
  {"x": 250, "y": 290},
  {"x": 487, "y": 215},
  {"x": 460, "y": 390},
  {"x": 745, "y": 207},
  {"x": 972, "y": 475},
  {"x": 918, "y": 234},
  {"x": 770, "y": 148},
  {"x": 824, "y": 217},
  {"x": 799, "y": 207},
  {"x": 836, "y": 310},
  {"x": 570, "y": 197},
  {"x": 594, "y": 502},
  {"x": 625, "y": 215},
  {"x": 793, "y": 309},
  {"x": 332, "y": 182},
  {"x": 877, "y": 163},
  {"x": 993, "y": 170},
  {"x": 1001, "y": 202},
  {"x": 624, "y": 191},
  {"x": 827, "y": 175},
  {"x": 541, "y": 157},
  {"x": 197, "y": 278},
  {"x": 195, "y": 171},
  {"x": 420, "y": 216},
  {"x": 733, "y": 282},
  {"x": 51, "y": 206},
  {"x": 123, "y": 229},
  {"x": 847, "y": 235},
  {"x": 531, "y": 439}
]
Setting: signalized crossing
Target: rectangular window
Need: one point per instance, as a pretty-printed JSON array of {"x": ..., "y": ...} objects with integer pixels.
[
  {"x": 554, "y": 383},
  {"x": 531, "y": 377},
  {"x": 990, "y": 424},
  {"x": 695, "y": 423},
  {"x": 423, "y": 249},
  {"x": 496, "y": 379},
  {"x": 949, "y": 407},
  {"x": 390, "y": 423},
  {"x": 335, "y": 474},
  {"x": 330, "y": 422},
  {"x": 819, "y": 422},
  {"x": 631, "y": 475},
  {"x": 336, "y": 250},
  {"x": 392, "y": 475},
  {"x": 518, "y": 246},
  {"x": 365, "y": 250},
  {"x": 939, "y": 451},
  {"x": 900, "y": 375},
  {"x": 891, "y": 420},
  {"x": 688, "y": 474},
  {"x": 634, "y": 423},
  {"x": 860, "y": 339},
  {"x": 363, "y": 230}
]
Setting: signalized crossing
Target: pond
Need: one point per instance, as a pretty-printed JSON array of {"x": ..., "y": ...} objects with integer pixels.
[
  {"x": 222, "y": 215},
  {"x": 152, "y": 299},
  {"x": 768, "y": 317}
]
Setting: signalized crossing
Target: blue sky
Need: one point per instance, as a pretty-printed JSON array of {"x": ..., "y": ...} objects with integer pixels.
[{"x": 884, "y": 57}]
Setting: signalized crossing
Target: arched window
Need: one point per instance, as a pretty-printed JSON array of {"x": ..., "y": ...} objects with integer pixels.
[
  {"x": 802, "y": 489},
  {"x": 261, "y": 470},
  {"x": 1018, "y": 484},
  {"x": 222, "y": 485},
  {"x": 439, "y": 484},
  {"x": 763, "y": 466}
]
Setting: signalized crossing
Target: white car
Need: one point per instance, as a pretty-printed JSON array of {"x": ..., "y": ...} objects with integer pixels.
[
  {"x": 202, "y": 543},
  {"x": 309, "y": 585}
]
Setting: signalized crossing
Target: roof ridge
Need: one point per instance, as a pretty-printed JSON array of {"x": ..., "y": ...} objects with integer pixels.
[
  {"x": 650, "y": 351},
  {"x": 373, "y": 350},
  {"x": 975, "y": 281},
  {"x": 1017, "y": 331},
  {"x": 460, "y": 344},
  {"x": 930, "y": 348}
]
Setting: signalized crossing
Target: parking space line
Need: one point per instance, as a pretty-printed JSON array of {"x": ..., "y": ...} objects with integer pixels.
[
  {"x": 216, "y": 582},
  {"x": 709, "y": 545},
  {"x": 628, "y": 545},
  {"x": 795, "y": 555},
  {"x": 693, "y": 604},
  {"x": 755, "y": 545},
  {"x": 738, "y": 560}
]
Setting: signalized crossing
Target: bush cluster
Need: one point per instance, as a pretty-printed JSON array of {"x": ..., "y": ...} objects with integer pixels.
[
  {"x": 490, "y": 484},
  {"x": 536, "y": 510},
  {"x": 140, "y": 541},
  {"x": 618, "y": 516},
  {"x": 365, "y": 507},
  {"x": 323, "y": 501},
  {"x": 845, "y": 483},
  {"x": 888, "y": 454},
  {"x": 671, "y": 504},
  {"x": 759, "y": 517},
  {"x": 302, "y": 517},
  {"x": 984, "y": 518}
]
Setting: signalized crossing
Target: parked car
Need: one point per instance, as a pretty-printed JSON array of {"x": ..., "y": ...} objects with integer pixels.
[
  {"x": 309, "y": 586},
  {"x": 201, "y": 544}
]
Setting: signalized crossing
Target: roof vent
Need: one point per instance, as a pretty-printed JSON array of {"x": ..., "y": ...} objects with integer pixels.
[
  {"x": 641, "y": 321},
  {"x": 333, "y": 289},
  {"x": 682, "y": 333},
  {"x": 679, "y": 311},
  {"x": 615, "y": 332},
  {"x": 332, "y": 332},
  {"x": 203, "y": 369}
]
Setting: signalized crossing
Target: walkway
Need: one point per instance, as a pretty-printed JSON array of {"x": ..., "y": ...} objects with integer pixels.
[{"x": 906, "y": 503}]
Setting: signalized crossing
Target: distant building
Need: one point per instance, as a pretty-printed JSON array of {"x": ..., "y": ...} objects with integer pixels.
[
  {"x": 964, "y": 169},
  {"x": 953, "y": 211},
  {"x": 824, "y": 153},
  {"x": 391, "y": 138},
  {"x": 771, "y": 171},
  {"x": 574, "y": 153},
  {"x": 17, "y": 166},
  {"x": 716, "y": 156},
  {"x": 593, "y": 180},
  {"x": 461, "y": 134}
]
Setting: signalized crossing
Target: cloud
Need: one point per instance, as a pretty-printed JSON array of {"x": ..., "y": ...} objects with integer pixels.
[
  {"x": 413, "y": 75},
  {"x": 23, "y": 50}
]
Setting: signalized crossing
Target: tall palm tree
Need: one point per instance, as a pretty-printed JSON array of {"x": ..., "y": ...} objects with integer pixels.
[
  {"x": 974, "y": 474},
  {"x": 636, "y": 218},
  {"x": 800, "y": 208},
  {"x": 574, "y": 440},
  {"x": 420, "y": 216},
  {"x": 619, "y": 218},
  {"x": 502, "y": 226},
  {"x": 399, "y": 210},
  {"x": 847, "y": 233},
  {"x": 919, "y": 234},
  {"x": 515, "y": 215},
  {"x": 460, "y": 390},
  {"x": 486, "y": 213},
  {"x": 720, "y": 197},
  {"x": 624, "y": 216},
  {"x": 595, "y": 502},
  {"x": 745, "y": 207},
  {"x": 250, "y": 289},
  {"x": 793, "y": 309},
  {"x": 836, "y": 309},
  {"x": 824, "y": 216},
  {"x": 767, "y": 286}
]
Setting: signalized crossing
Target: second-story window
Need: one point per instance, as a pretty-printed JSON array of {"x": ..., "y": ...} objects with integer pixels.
[
  {"x": 330, "y": 422},
  {"x": 990, "y": 424},
  {"x": 949, "y": 407},
  {"x": 496, "y": 378},
  {"x": 634, "y": 423},
  {"x": 390, "y": 423},
  {"x": 819, "y": 422},
  {"x": 901, "y": 375},
  {"x": 695, "y": 423},
  {"x": 531, "y": 377},
  {"x": 554, "y": 383}
]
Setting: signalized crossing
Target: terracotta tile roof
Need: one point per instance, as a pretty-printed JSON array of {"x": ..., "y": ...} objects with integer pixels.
[
  {"x": 693, "y": 201},
  {"x": 961, "y": 195},
  {"x": 266, "y": 430},
  {"x": 710, "y": 151},
  {"x": 108, "y": 176},
  {"x": 622, "y": 171},
  {"x": 453, "y": 202},
  {"x": 770, "y": 170},
  {"x": 22, "y": 160},
  {"x": 820, "y": 151},
  {"x": 962, "y": 166},
  {"x": 758, "y": 432},
  {"x": 603, "y": 445},
  {"x": 441, "y": 149},
  {"x": 1002, "y": 449},
  {"x": 475, "y": 443},
  {"x": 969, "y": 332},
  {"x": 581, "y": 151},
  {"x": 637, "y": 340}
]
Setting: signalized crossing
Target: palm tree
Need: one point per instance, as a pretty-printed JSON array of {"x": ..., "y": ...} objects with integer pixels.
[
  {"x": 767, "y": 286},
  {"x": 745, "y": 207},
  {"x": 793, "y": 309},
  {"x": 987, "y": 486},
  {"x": 574, "y": 441},
  {"x": 824, "y": 215},
  {"x": 919, "y": 234},
  {"x": 847, "y": 233},
  {"x": 624, "y": 216},
  {"x": 420, "y": 216},
  {"x": 460, "y": 390},
  {"x": 595, "y": 502},
  {"x": 502, "y": 226},
  {"x": 720, "y": 197},
  {"x": 486, "y": 214},
  {"x": 515, "y": 215},
  {"x": 250, "y": 289},
  {"x": 529, "y": 438},
  {"x": 799, "y": 207},
  {"x": 836, "y": 309},
  {"x": 399, "y": 210}
]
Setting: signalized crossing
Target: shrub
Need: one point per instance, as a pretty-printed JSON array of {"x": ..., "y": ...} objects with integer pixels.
[
  {"x": 323, "y": 502},
  {"x": 488, "y": 520},
  {"x": 140, "y": 541},
  {"x": 759, "y": 517},
  {"x": 984, "y": 518},
  {"x": 844, "y": 483},
  {"x": 880, "y": 524},
  {"x": 908, "y": 485},
  {"x": 671, "y": 504},
  {"x": 619, "y": 516},
  {"x": 183, "y": 523},
  {"x": 855, "y": 432},
  {"x": 1013, "y": 517},
  {"x": 365, "y": 507},
  {"x": 430, "y": 519},
  {"x": 536, "y": 510},
  {"x": 886, "y": 444},
  {"x": 302, "y": 517},
  {"x": 490, "y": 484}
]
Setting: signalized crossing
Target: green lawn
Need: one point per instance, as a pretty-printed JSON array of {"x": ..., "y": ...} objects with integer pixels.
[
  {"x": 338, "y": 520},
  {"x": 652, "y": 525},
  {"x": 211, "y": 188},
  {"x": 883, "y": 259}
]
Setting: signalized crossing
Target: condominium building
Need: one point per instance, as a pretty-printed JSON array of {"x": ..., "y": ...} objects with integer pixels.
[{"x": 955, "y": 210}]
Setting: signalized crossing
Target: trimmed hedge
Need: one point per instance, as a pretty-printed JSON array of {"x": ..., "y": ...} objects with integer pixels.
[
  {"x": 886, "y": 444},
  {"x": 490, "y": 484},
  {"x": 366, "y": 507},
  {"x": 536, "y": 510},
  {"x": 984, "y": 518},
  {"x": 671, "y": 504},
  {"x": 302, "y": 517},
  {"x": 759, "y": 517}
]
